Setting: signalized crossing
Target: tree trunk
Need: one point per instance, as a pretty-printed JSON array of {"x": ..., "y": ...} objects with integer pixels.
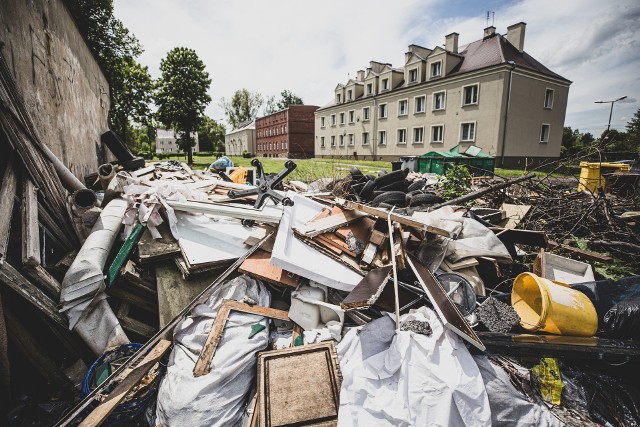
[{"x": 189, "y": 148}]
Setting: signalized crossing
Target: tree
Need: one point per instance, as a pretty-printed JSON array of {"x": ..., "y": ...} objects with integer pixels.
[
  {"x": 613, "y": 140},
  {"x": 115, "y": 48},
  {"x": 242, "y": 107},
  {"x": 181, "y": 94},
  {"x": 288, "y": 98},
  {"x": 210, "y": 134},
  {"x": 270, "y": 106},
  {"x": 570, "y": 138},
  {"x": 633, "y": 132},
  {"x": 586, "y": 138}
]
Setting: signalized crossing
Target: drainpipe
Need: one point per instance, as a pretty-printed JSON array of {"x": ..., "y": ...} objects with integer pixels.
[
  {"x": 506, "y": 113},
  {"x": 374, "y": 137}
]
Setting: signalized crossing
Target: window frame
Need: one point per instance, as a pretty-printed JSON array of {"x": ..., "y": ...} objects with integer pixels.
[
  {"x": 424, "y": 104},
  {"x": 464, "y": 89},
  {"x": 398, "y": 142},
  {"x": 341, "y": 140},
  {"x": 333, "y": 119},
  {"x": 413, "y": 70},
  {"x": 381, "y": 133},
  {"x": 462, "y": 131},
  {"x": 406, "y": 109},
  {"x": 365, "y": 140},
  {"x": 341, "y": 118},
  {"x": 333, "y": 140},
  {"x": 386, "y": 110},
  {"x": 338, "y": 98},
  {"x": 548, "y": 127},
  {"x": 444, "y": 100},
  {"x": 350, "y": 95},
  {"x": 322, "y": 142},
  {"x": 414, "y": 142},
  {"x": 322, "y": 122},
  {"x": 351, "y": 140},
  {"x": 367, "y": 117},
  {"x": 370, "y": 86},
  {"x": 553, "y": 95},
  {"x": 433, "y": 141},
  {"x": 352, "y": 116},
  {"x": 384, "y": 84},
  {"x": 431, "y": 67}
]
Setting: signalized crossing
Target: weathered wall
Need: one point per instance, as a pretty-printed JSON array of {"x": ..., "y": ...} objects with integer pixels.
[{"x": 62, "y": 84}]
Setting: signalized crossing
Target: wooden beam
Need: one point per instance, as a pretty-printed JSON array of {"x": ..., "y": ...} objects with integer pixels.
[
  {"x": 46, "y": 281},
  {"x": 12, "y": 278},
  {"x": 131, "y": 379},
  {"x": 30, "y": 229},
  {"x": 7, "y": 198},
  {"x": 400, "y": 219},
  {"x": 5, "y": 371},
  {"x": 203, "y": 364}
]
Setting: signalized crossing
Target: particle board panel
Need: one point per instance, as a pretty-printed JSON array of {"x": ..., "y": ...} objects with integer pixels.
[
  {"x": 152, "y": 250},
  {"x": 288, "y": 398},
  {"x": 367, "y": 292},
  {"x": 174, "y": 292},
  {"x": 257, "y": 265}
]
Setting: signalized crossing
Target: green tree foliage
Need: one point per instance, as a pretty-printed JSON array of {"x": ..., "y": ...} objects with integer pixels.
[
  {"x": 211, "y": 135},
  {"x": 633, "y": 132},
  {"x": 288, "y": 98},
  {"x": 586, "y": 139},
  {"x": 116, "y": 49},
  {"x": 270, "y": 106},
  {"x": 181, "y": 94},
  {"x": 456, "y": 182},
  {"x": 570, "y": 138},
  {"x": 614, "y": 140},
  {"x": 242, "y": 107}
]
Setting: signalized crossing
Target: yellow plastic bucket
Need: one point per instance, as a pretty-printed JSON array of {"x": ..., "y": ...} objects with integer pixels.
[{"x": 552, "y": 307}]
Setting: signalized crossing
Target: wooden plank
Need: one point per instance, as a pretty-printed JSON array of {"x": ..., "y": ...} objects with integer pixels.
[
  {"x": 286, "y": 398},
  {"x": 329, "y": 223},
  {"x": 44, "y": 279},
  {"x": 30, "y": 229},
  {"x": 5, "y": 368},
  {"x": 16, "y": 281},
  {"x": 367, "y": 292},
  {"x": 123, "y": 253},
  {"x": 514, "y": 213},
  {"x": 203, "y": 364},
  {"x": 102, "y": 412},
  {"x": 582, "y": 254},
  {"x": 7, "y": 199},
  {"x": 400, "y": 219},
  {"x": 258, "y": 265}
]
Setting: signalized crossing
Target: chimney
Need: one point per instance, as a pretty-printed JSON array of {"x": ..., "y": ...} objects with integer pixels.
[
  {"x": 360, "y": 76},
  {"x": 515, "y": 35},
  {"x": 451, "y": 42},
  {"x": 489, "y": 31}
]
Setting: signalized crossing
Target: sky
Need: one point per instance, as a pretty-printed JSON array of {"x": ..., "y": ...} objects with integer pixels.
[{"x": 309, "y": 47}]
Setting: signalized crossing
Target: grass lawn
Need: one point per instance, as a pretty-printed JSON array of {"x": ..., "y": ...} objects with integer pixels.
[{"x": 309, "y": 170}]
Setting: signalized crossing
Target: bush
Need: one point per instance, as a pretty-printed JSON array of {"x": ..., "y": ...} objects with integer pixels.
[
  {"x": 246, "y": 154},
  {"x": 203, "y": 153},
  {"x": 456, "y": 182}
]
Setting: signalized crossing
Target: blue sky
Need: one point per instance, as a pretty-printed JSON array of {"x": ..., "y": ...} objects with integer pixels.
[{"x": 309, "y": 47}]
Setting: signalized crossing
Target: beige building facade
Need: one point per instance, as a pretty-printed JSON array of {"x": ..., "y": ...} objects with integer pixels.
[
  {"x": 489, "y": 93},
  {"x": 240, "y": 140},
  {"x": 166, "y": 141}
]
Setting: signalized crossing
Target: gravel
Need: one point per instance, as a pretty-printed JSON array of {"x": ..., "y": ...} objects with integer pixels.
[
  {"x": 422, "y": 328},
  {"x": 497, "y": 316}
]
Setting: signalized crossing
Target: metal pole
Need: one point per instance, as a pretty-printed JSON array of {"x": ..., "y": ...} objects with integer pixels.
[{"x": 610, "y": 114}]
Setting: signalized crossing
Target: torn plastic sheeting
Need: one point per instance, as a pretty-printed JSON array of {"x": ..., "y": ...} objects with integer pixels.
[
  {"x": 293, "y": 255},
  {"x": 217, "y": 398},
  {"x": 473, "y": 239},
  {"x": 413, "y": 380},
  {"x": 508, "y": 405},
  {"x": 82, "y": 297}
]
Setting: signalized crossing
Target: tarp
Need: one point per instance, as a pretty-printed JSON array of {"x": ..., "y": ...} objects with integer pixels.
[{"x": 404, "y": 379}]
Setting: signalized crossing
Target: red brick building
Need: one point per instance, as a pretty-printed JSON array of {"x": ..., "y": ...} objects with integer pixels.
[{"x": 287, "y": 133}]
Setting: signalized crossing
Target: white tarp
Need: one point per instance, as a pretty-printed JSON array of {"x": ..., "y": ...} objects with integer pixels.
[
  {"x": 217, "y": 398},
  {"x": 407, "y": 379}
]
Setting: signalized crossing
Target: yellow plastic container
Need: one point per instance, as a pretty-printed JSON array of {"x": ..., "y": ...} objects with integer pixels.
[
  {"x": 552, "y": 307},
  {"x": 591, "y": 174}
]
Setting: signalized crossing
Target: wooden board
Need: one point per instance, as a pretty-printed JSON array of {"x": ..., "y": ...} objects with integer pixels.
[
  {"x": 299, "y": 386},
  {"x": 8, "y": 189},
  {"x": 367, "y": 292},
  {"x": 153, "y": 250},
  {"x": 257, "y": 265},
  {"x": 514, "y": 214},
  {"x": 329, "y": 223},
  {"x": 203, "y": 364},
  {"x": 30, "y": 228}
]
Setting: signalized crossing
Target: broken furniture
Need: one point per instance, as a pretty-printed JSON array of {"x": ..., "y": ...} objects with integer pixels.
[{"x": 267, "y": 187}]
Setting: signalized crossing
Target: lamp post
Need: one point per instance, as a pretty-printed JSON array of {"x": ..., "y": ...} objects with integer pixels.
[{"x": 610, "y": 112}]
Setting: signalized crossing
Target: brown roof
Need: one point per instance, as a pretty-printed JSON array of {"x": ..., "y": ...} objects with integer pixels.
[{"x": 496, "y": 50}]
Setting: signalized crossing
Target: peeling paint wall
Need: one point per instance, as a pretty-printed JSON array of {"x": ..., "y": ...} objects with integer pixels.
[{"x": 65, "y": 90}]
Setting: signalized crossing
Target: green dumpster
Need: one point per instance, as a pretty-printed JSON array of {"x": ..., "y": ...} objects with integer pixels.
[{"x": 438, "y": 162}]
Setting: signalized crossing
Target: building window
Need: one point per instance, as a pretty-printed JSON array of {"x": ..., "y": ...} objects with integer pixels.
[
  {"x": 352, "y": 140},
  {"x": 365, "y": 138},
  {"x": 413, "y": 75},
  {"x": 341, "y": 140},
  {"x": 385, "y": 84},
  {"x": 470, "y": 95},
  {"x": 418, "y": 135},
  {"x": 468, "y": 132},
  {"x": 338, "y": 98},
  {"x": 350, "y": 95},
  {"x": 436, "y": 69},
  {"x": 365, "y": 113},
  {"x": 544, "y": 133},
  {"x": 333, "y": 140},
  {"x": 341, "y": 118},
  {"x": 382, "y": 112},
  {"x": 437, "y": 133},
  {"x": 403, "y": 107},
  {"x": 382, "y": 137},
  {"x": 548, "y": 98},
  {"x": 333, "y": 120},
  {"x": 352, "y": 116},
  {"x": 419, "y": 105},
  {"x": 369, "y": 88},
  {"x": 402, "y": 136},
  {"x": 439, "y": 100}
]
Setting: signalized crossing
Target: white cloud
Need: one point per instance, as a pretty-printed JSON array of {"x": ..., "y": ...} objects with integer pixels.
[{"x": 306, "y": 47}]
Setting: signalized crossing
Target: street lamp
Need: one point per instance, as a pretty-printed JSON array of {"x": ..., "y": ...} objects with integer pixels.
[{"x": 611, "y": 112}]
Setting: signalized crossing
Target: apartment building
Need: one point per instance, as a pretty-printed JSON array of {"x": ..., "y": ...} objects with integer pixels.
[
  {"x": 166, "y": 141},
  {"x": 240, "y": 140},
  {"x": 489, "y": 93},
  {"x": 287, "y": 133}
]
